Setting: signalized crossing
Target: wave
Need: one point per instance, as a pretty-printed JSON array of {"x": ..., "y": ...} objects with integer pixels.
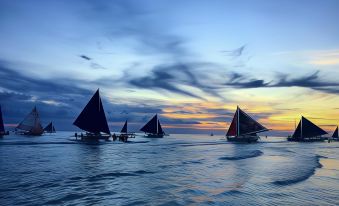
[
  {"x": 36, "y": 143},
  {"x": 302, "y": 174},
  {"x": 249, "y": 154},
  {"x": 68, "y": 197},
  {"x": 109, "y": 175}
]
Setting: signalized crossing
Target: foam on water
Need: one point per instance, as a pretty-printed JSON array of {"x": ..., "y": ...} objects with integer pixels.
[{"x": 175, "y": 170}]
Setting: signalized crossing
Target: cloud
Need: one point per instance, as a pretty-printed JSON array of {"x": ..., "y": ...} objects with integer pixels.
[
  {"x": 311, "y": 81},
  {"x": 170, "y": 77},
  {"x": 85, "y": 57}
]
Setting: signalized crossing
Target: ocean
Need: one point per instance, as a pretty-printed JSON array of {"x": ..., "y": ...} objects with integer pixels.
[{"x": 176, "y": 170}]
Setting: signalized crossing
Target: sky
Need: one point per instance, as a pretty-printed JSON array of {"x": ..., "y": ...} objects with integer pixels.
[{"x": 191, "y": 62}]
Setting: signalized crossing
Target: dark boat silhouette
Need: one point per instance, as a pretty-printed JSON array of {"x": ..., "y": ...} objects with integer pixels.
[
  {"x": 2, "y": 127},
  {"x": 92, "y": 119},
  {"x": 31, "y": 125},
  {"x": 124, "y": 134},
  {"x": 49, "y": 128},
  {"x": 307, "y": 131},
  {"x": 153, "y": 128},
  {"x": 244, "y": 128}
]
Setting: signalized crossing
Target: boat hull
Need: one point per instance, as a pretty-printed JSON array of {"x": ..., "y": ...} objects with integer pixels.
[
  {"x": 31, "y": 134},
  {"x": 91, "y": 137},
  {"x": 4, "y": 133},
  {"x": 154, "y": 135},
  {"x": 243, "y": 139},
  {"x": 314, "y": 139}
]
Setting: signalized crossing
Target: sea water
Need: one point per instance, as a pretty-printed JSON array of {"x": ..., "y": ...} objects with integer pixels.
[{"x": 176, "y": 170}]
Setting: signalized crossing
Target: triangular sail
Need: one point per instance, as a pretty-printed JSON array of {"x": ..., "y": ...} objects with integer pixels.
[
  {"x": 307, "y": 129},
  {"x": 247, "y": 125},
  {"x": 124, "y": 128},
  {"x": 151, "y": 126},
  {"x": 31, "y": 123},
  {"x": 49, "y": 128},
  {"x": 92, "y": 118},
  {"x": 2, "y": 128},
  {"x": 243, "y": 124},
  {"x": 232, "y": 130},
  {"x": 335, "y": 133}
]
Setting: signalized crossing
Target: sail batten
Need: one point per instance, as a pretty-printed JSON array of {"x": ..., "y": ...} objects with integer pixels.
[
  {"x": 92, "y": 118},
  {"x": 307, "y": 129}
]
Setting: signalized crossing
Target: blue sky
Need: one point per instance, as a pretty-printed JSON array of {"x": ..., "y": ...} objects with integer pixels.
[{"x": 190, "y": 61}]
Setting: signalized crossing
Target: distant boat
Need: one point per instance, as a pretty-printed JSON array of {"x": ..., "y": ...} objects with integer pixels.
[
  {"x": 307, "y": 131},
  {"x": 31, "y": 124},
  {"x": 153, "y": 128},
  {"x": 92, "y": 119},
  {"x": 2, "y": 127},
  {"x": 212, "y": 134},
  {"x": 244, "y": 128},
  {"x": 124, "y": 135},
  {"x": 49, "y": 128}
]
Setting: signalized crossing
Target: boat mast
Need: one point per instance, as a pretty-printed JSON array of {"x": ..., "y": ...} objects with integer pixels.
[
  {"x": 157, "y": 124},
  {"x": 238, "y": 120},
  {"x": 301, "y": 127},
  {"x": 99, "y": 100}
]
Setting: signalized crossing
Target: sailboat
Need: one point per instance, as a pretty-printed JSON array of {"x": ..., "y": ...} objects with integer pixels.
[
  {"x": 124, "y": 135},
  {"x": 92, "y": 119},
  {"x": 244, "y": 128},
  {"x": 307, "y": 131},
  {"x": 31, "y": 124},
  {"x": 2, "y": 127},
  {"x": 49, "y": 128},
  {"x": 153, "y": 128}
]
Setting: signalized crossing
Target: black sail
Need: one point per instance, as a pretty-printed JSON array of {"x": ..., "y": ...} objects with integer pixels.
[
  {"x": 151, "y": 126},
  {"x": 2, "y": 128},
  {"x": 49, "y": 128},
  {"x": 247, "y": 125},
  {"x": 160, "y": 131},
  {"x": 297, "y": 132},
  {"x": 124, "y": 128},
  {"x": 307, "y": 129},
  {"x": 335, "y": 133},
  {"x": 92, "y": 118}
]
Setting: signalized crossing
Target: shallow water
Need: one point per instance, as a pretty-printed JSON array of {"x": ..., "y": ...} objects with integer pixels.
[{"x": 176, "y": 170}]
